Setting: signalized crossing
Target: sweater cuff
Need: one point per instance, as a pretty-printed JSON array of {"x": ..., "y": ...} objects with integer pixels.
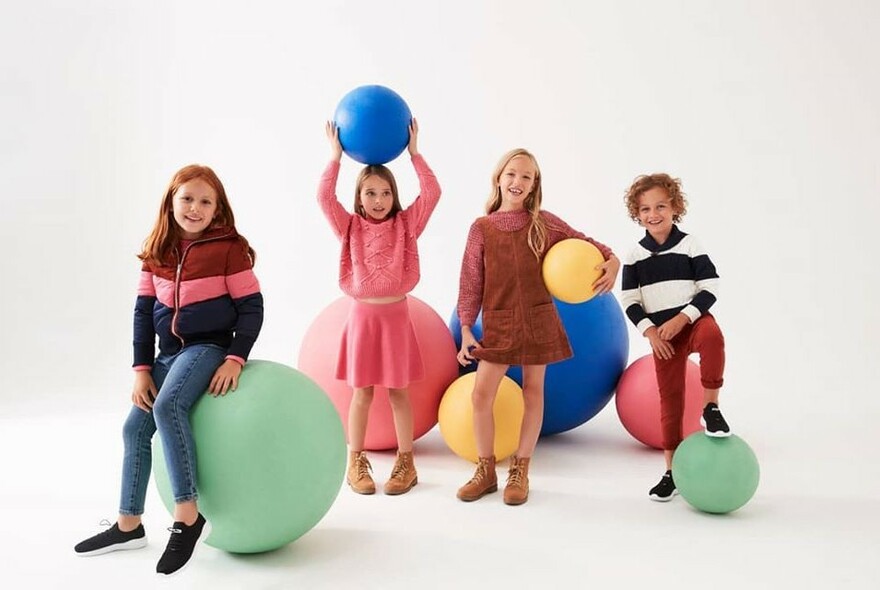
[
  {"x": 692, "y": 313},
  {"x": 643, "y": 326},
  {"x": 238, "y": 359}
]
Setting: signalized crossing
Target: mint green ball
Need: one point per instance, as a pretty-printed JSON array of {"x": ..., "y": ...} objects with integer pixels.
[
  {"x": 270, "y": 458},
  {"x": 717, "y": 475}
]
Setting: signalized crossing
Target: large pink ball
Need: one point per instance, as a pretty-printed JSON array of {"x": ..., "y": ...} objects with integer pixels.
[
  {"x": 638, "y": 401},
  {"x": 320, "y": 349}
]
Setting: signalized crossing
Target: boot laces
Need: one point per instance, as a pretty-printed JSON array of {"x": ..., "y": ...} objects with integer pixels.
[
  {"x": 481, "y": 473},
  {"x": 516, "y": 475},
  {"x": 401, "y": 468},
  {"x": 362, "y": 465}
]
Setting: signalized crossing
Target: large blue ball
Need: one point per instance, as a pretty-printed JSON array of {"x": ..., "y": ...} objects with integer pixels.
[
  {"x": 373, "y": 124},
  {"x": 577, "y": 389}
]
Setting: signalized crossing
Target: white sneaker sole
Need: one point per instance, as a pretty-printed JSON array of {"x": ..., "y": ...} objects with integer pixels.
[
  {"x": 127, "y": 546},
  {"x": 713, "y": 434},
  {"x": 666, "y": 499}
]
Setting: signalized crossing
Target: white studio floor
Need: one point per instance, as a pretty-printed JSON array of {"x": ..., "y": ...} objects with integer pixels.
[{"x": 588, "y": 524}]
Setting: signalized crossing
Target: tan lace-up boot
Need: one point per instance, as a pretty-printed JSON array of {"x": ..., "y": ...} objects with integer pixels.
[
  {"x": 484, "y": 481},
  {"x": 358, "y": 476},
  {"x": 403, "y": 475},
  {"x": 517, "y": 490}
]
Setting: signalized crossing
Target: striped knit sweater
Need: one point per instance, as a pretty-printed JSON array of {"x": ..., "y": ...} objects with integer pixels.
[{"x": 662, "y": 280}]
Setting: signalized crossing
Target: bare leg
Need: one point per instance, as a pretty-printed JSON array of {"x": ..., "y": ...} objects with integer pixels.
[
  {"x": 358, "y": 412},
  {"x": 533, "y": 416},
  {"x": 710, "y": 396},
  {"x": 403, "y": 418},
  {"x": 186, "y": 512},
  {"x": 489, "y": 376},
  {"x": 128, "y": 522}
]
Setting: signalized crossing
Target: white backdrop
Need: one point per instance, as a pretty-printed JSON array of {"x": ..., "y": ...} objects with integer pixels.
[{"x": 766, "y": 110}]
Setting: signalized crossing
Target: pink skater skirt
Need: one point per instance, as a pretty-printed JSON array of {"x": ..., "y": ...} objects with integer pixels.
[{"x": 379, "y": 346}]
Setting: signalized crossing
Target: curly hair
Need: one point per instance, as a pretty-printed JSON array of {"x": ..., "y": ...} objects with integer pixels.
[{"x": 646, "y": 182}]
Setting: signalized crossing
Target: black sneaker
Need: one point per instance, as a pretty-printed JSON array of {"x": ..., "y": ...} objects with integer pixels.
[
  {"x": 182, "y": 545},
  {"x": 713, "y": 422},
  {"x": 665, "y": 490},
  {"x": 112, "y": 540}
]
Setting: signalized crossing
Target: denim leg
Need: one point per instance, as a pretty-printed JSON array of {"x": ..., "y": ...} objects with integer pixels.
[
  {"x": 188, "y": 378},
  {"x": 137, "y": 436}
]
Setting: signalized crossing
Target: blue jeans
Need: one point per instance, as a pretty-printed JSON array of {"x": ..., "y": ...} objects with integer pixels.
[{"x": 181, "y": 380}]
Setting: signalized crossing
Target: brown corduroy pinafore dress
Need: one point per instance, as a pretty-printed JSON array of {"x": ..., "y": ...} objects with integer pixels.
[{"x": 520, "y": 323}]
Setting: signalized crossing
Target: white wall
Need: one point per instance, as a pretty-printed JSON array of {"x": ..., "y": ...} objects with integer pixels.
[{"x": 768, "y": 112}]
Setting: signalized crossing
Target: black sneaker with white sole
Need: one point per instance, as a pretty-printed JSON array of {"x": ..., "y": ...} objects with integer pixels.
[
  {"x": 713, "y": 422},
  {"x": 112, "y": 540},
  {"x": 182, "y": 545},
  {"x": 665, "y": 490}
]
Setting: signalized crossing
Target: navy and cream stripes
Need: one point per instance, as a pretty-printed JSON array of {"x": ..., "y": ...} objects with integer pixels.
[{"x": 663, "y": 280}]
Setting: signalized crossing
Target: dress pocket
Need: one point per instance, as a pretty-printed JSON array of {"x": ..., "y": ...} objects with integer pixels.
[
  {"x": 497, "y": 328},
  {"x": 544, "y": 322}
]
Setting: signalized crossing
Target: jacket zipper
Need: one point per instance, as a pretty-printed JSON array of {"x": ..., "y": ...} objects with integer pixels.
[{"x": 177, "y": 274}]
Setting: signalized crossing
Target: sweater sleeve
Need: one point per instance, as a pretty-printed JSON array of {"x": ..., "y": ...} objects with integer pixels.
[
  {"x": 705, "y": 279},
  {"x": 631, "y": 294},
  {"x": 335, "y": 213},
  {"x": 429, "y": 194},
  {"x": 244, "y": 289},
  {"x": 144, "y": 332},
  {"x": 470, "y": 291},
  {"x": 558, "y": 230}
]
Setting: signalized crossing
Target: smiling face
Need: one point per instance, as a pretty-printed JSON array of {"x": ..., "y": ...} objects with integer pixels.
[
  {"x": 194, "y": 206},
  {"x": 516, "y": 182},
  {"x": 376, "y": 197},
  {"x": 656, "y": 213}
]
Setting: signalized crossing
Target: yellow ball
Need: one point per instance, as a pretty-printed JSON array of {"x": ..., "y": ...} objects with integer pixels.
[
  {"x": 456, "y": 418},
  {"x": 569, "y": 270}
]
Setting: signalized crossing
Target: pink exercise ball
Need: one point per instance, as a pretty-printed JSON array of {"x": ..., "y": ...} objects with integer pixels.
[
  {"x": 638, "y": 401},
  {"x": 318, "y": 355}
]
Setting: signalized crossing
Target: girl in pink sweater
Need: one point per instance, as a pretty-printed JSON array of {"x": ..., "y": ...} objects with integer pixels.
[{"x": 379, "y": 265}]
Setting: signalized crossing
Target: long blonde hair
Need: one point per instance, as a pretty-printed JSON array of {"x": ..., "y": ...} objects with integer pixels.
[{"x": 532, "y": 203}]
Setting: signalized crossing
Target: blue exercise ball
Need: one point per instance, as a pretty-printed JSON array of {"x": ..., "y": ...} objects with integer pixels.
[
  {"x": 373, "y": 124},
  {"x": 577, "y": 389}
]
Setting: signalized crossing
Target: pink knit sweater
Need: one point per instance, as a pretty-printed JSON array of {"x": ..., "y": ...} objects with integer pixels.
[
  {"x": 379, "y": 258},
  {"x": 470, "y": 293}
]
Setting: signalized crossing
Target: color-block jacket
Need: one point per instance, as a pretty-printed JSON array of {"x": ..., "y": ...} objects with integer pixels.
[{"x": 210, "y": 296}]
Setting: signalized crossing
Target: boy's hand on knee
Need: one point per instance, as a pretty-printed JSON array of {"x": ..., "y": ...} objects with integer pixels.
[
  {"x": 662, "y": 348},
  {"x": 672, "y": 327}
]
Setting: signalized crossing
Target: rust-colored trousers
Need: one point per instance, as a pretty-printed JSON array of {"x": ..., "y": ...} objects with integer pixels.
[{"x": 705, "y": 338}]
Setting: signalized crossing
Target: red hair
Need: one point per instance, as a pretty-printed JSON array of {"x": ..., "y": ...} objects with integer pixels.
[{"x": 160, "y": 244}]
